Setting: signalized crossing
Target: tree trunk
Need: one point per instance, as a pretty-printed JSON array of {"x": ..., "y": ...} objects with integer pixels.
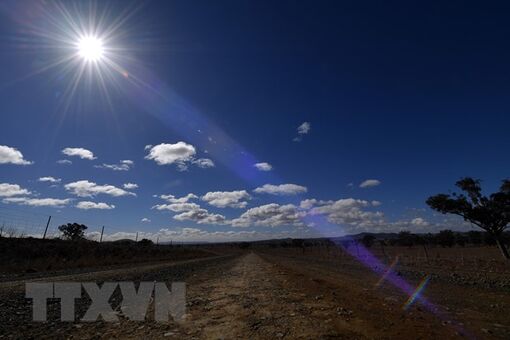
[{"x": 502, "y": 247}]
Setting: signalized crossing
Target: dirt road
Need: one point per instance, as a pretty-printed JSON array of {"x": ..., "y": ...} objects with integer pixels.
[{"x": 256, "y": 296}]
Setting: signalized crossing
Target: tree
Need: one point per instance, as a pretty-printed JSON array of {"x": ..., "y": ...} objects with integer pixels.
[
  {"x": 368, "y": 240},
  {"x": 475, "y": 237},
  {"x": 445, "y": 238},
  {"x": 73, "y": 231},
  {"x": 491, "y": 213},
  {"x": 145, "y": 242},
  {"x": 405, "y": 238}
]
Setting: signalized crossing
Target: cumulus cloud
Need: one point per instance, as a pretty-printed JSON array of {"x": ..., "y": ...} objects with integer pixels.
[
  {"x": 368, "y": 183},
  {"x": 348, "y": 211},
  {"x": 270, "y": 215},
  {"x": 177, "y": 207},
  {"x": 145, "y": 220},
  {"x": 419, "y": 222},
  {"x": 189, "y": 211},
  {"x": 9, "y": 190},
  {"x": 201, "y": 216},
  {"x": 179, "y": 153},
  {"x": 49, "y": 179},
  {"x": 64, "y": 161},
  {"x": 302, "y": 130},
  {"x": 124, "y": 165},
  {"x": 38, "y": 202},
  {"x": 282, "y": 189},
  {"x": 130, "y": 186},
  {"x": 263, "y": 166},
  {"x": 173, "y": 199},
  {"x": 10, "y": 155},
  {"x": 87, "y": 205},
  {"x": 204, "y": 163},
  {"x": 79, "y": 152},
  {"x": 192, "y": 212},
  {"x": 85, "y": 188},
  {"x": 224, "y": 199}
]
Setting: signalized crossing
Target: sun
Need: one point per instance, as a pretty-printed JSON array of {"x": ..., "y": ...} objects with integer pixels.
[{"x": 90, "y": 48}]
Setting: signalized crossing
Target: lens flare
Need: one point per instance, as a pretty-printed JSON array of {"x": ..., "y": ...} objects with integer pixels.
[
  {"x": 387, "y": 272},
  {"x": 417, "y": 292}
]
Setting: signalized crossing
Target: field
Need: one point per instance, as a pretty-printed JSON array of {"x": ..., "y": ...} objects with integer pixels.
[{"x": 258, "y": 291}]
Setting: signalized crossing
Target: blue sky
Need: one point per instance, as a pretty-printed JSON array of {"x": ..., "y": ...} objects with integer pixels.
[{"x": 329, "y": 95}]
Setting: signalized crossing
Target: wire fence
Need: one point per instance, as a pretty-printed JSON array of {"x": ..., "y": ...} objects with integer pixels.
[{"x": 19, "y": 223}]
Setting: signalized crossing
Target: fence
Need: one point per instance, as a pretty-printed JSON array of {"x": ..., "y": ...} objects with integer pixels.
[{"x": 19, "y": 222}]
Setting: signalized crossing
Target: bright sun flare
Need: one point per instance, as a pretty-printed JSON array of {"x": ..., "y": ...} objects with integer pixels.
[{"x": 90, "y": 48}]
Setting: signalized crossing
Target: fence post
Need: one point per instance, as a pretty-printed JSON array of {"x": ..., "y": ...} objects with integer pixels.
[
  {"x": 426, "y": 252},
  {"x": 101, "y": 238},
  {"x": 47, "y": 225},
  {"x": 157, "y": 241},
  {"x": 136, "y": 240}
]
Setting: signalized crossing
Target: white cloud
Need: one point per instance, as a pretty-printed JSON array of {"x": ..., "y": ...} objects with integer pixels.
[
  {"x": 223, "y": 199},
  {"x": 282, "y": 189},
  {"x": 145, "y": 220},
  {"x": 368, "y": 183},
  {"x": 179, "y": 153},
  {"x": 192, "y": 212},
  {"x": 38, "y": 202},
  {"x": 304, "y": 128},
  {"x": 201, "y": 216},
  {"x": 124, "y": 165},
  {"x": 79, "y": 152},
  {"x": 419, "y": 222},
  {"x": 310, "y": 203},
  {"x": 9, "y": 155},
  {"x": 86, "y": 205},
  {"x": 189, "y": 211},
  {"x": 130, "y": 186},
  {"x": 49, "y": 179},
  {"x": 270, "y": 215},
  {"x": 204, "y": 163},
  {"x": 263, "y": 166},
  {"x": 64, "y": 161},
  {"x": 173, "y": 199},
  {"x": 177, "y": 207},
  {"x": 85, "y": 188},
  {"x": 348, "y": 211},
  {"x": 9, "y": 190}
]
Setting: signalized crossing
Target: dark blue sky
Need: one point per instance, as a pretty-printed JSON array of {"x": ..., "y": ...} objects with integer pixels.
[{"x": 412, "y": 95}]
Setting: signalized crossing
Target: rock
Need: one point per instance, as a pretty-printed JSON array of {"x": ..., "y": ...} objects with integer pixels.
[{"x": 169, "y": 334}]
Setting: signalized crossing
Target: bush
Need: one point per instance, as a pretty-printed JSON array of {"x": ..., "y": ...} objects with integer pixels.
[{"x": 445, "y": 238}]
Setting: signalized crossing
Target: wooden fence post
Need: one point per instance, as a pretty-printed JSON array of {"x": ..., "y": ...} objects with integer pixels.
[
  {"x": 101, "y": 238},
  {"x": 46, "y": 229}
]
